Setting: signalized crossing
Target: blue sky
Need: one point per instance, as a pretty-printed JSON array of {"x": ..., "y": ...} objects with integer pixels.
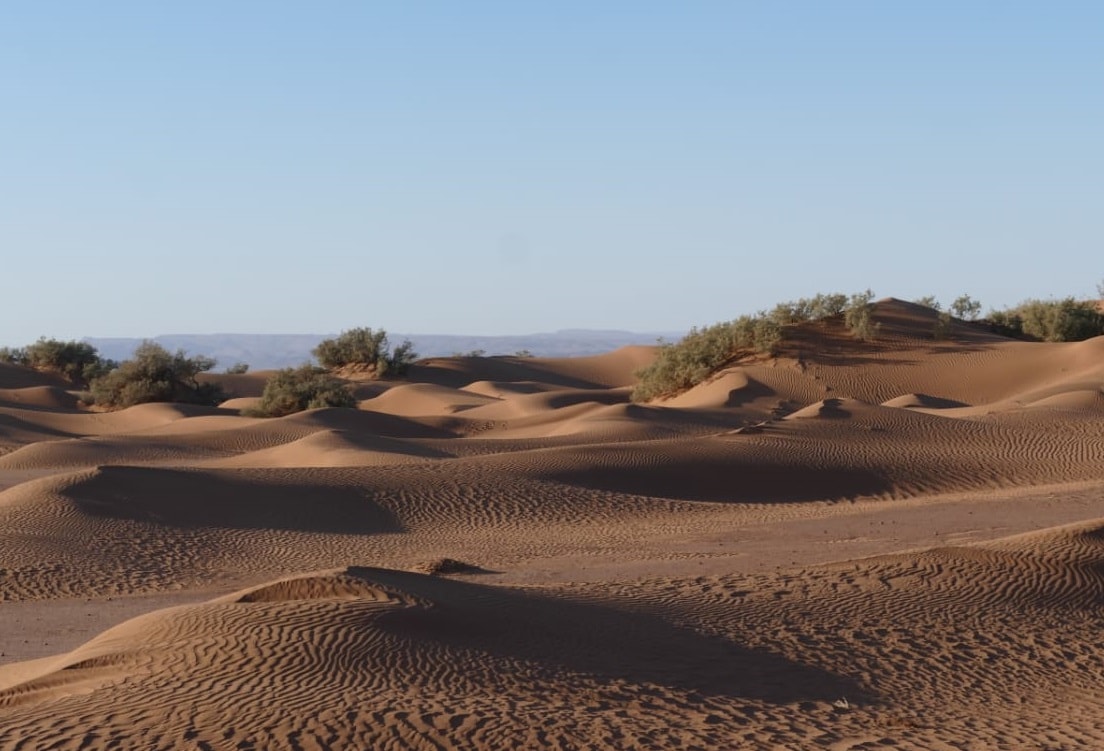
[{"x": 495, "y": 168}]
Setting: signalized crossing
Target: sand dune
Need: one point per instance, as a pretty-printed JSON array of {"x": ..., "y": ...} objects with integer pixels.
[
  {"x": 416, "y": 399},
  {"x": 886, "y": 544}
]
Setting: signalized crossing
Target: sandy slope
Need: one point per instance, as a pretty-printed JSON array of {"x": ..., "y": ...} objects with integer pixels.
[{"x": 894, "y": 544}]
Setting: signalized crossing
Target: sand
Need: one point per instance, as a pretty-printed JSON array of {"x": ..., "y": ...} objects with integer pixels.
[{"x": 896, "y": 544}]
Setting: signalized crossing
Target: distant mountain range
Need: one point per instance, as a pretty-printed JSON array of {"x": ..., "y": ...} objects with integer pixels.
[{"x": 266, "y": 351}]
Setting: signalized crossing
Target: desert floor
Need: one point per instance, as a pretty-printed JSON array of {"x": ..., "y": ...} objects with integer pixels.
[{"x": 896, "y": 544}]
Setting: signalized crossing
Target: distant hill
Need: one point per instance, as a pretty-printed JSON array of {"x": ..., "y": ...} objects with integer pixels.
[{"x": 265, "y": 351}]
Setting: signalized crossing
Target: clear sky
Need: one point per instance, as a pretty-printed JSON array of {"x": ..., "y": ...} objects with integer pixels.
[{"x": 495, "y": 168}]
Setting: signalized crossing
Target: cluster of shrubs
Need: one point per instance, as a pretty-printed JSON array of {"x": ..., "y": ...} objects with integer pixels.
[
  {"x": 689, "y": 361},
  {"x": 308, "y": 387},
  {"x": 78, "y": 362},
  {"x": 153, "y": 374},
  {"x": 1065, "y": 320},
  {"x": 367, "y": 350},
  {"x": 295, "y": 389}
]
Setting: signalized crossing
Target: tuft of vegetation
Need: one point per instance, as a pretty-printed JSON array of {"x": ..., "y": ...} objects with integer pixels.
[
  {"x": 1066, "y": 320},
  {"x": 857, "y": 316},
  {"x": 13, "y": 355},
  {"x": 703, "y": 351},
  {"x": 942, "y": 328},
  {"x": 78, "y": 362},
  {"x": 295, "y": 389},
  {"x": 966, "y": 308},
  {"x": 366, "y": 349},
  {"x": 808, "y": 309},
  {"x": 696, "y": 356},
  {"x": 929, "y": 301},
  {"x": 154, "y": 374},
  {"x": 238, "y": 368}
]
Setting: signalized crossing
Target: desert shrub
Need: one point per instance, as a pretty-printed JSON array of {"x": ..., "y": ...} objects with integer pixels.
[
  {"x": 154, "y": 374},
  {"x": 13, "y": 355},
  {"x": 79, "y": 362},
  {"x": 238, "y": 368},
  {"x": 703, "y": 351},
  {"x": 367, "y": 349},
  {"x": 808, "y": 309},
  {"x": 942, "y": 328},
  {"x": 700, "y": 353},
  {"x": 1065, "y": 320},
  {"x": 295, "y": 389},
  {"x": 928, "y": 301},
  {"x": 826, "y": 306},
  {"x": 857, "y": 315},
  {"x": 966, "y": 308},
  {"x": 1006, "y": 323}
]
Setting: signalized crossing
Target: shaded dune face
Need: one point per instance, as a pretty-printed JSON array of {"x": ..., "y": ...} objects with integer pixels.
[
  {"x": 893, "y": 544},
  {"x": 360, "y": 653}
]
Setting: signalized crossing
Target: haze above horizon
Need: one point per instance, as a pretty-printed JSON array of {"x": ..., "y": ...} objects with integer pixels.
[{"x": 495, "y": 168}]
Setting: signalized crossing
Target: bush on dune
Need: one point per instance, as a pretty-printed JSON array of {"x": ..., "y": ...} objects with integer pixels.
[
  {"x": 295, "y": 389},
  {"x": 688, "y": 362},
  {"x": 693, "y": 358},
  {"x": 1066, "y": 320},
  {"x": 154, "y": 374},
  {"x": 366, "y": 349},
  {"x": 78, "y": 362}
]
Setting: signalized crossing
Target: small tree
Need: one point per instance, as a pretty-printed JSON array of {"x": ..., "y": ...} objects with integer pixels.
[
  {"x": 79, "y": 362},
  {"x": 942, "y": 328},
  {"x": 13, "y": 355},
  {"x": 857, "y": 316},
  {"x": 1067, "y": 320},
  {"x": 154, "y": 374},
  {"x": 928, "y": 301},
  {"x": 366, "y": 349},
  {"x": 966, "y": 308},
  {"x": 295, "y": 389}
]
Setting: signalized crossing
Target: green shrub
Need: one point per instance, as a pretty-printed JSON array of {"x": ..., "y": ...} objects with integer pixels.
[
  {"x": 295, "y": 389},
  {"x": 857, "y": 316},
  {"x": 942, "y": 328},
  {"x": 704, "y": 351},
  {"x": 928, "y": 301},
  {"x": 966, "y": 308},
  {"x": 808, "y": 309},
  {"x": 367, "y": 349},
  {"x": 1060, "y": 320},
  {"x": 154, "y": 374},
  {"x": 238, "y": 368},
  {"x": 1066, "y": 320},
  {"x": 13, "y": 355},
  {"x": 1006, "y": 323},
  {"x": 79, "y": 362}
]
